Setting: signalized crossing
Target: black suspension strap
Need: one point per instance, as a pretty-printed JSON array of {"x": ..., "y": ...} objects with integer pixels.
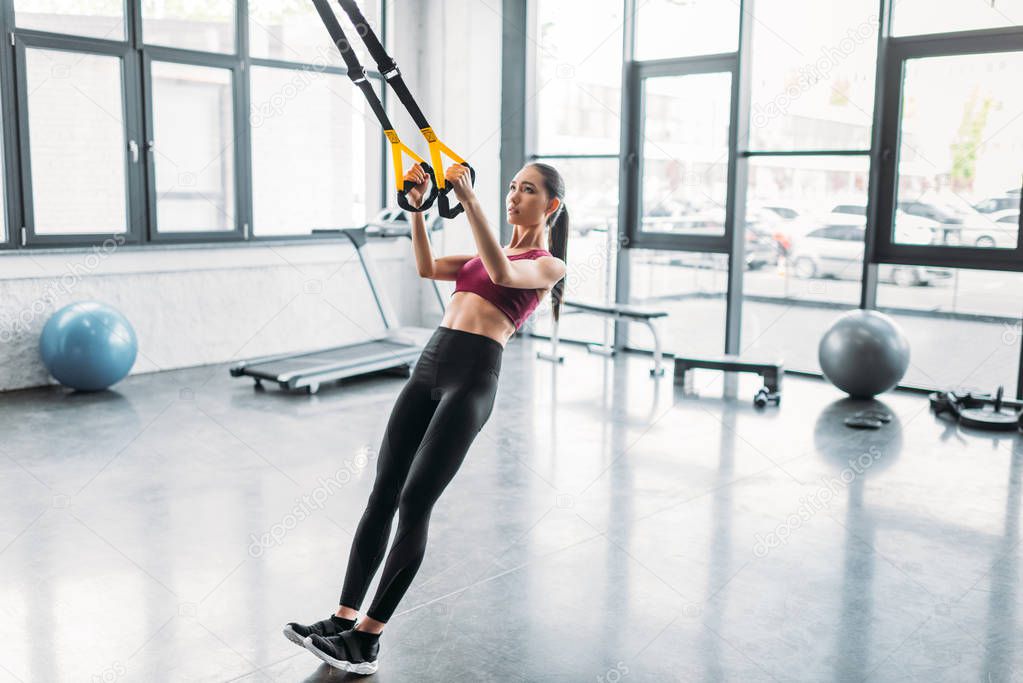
[
  {"x": 388, "y": 68},
  {"x": 357, "y": 74}
]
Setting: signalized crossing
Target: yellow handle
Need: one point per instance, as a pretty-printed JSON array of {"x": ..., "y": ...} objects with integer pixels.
[
  {"x": 436, "y": 147},
  {"x": 397, "y": 148}
]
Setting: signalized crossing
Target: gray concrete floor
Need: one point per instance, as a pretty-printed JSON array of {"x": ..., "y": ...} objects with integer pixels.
[{"x": 604, "y": 527}]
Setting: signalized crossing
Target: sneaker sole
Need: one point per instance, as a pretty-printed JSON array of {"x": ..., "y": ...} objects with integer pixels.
[
  {"x": 293, "y": 636},
  {"x": 351, "y": 667}
]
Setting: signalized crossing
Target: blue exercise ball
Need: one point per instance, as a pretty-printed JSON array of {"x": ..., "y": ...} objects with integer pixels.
[
  {"x": 88, "y": 346},
  {"x": 864, "y": 353}
]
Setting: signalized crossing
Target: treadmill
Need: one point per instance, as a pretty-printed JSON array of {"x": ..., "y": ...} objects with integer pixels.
[{"x": 395, "y": 352}]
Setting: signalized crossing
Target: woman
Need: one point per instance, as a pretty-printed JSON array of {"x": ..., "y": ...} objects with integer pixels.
[{"x": 448, "y": 398}]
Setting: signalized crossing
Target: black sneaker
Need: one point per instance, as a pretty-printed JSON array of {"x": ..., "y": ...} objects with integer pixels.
[
  {"x": 331, "y": 626},
  {"x": 353, "y": 651}
]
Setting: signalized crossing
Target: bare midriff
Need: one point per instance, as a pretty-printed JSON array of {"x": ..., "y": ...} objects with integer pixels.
[{"x": 469, "y": 312}]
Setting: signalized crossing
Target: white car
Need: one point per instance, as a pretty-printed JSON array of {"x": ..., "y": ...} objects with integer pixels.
[
  {"x": 909, "y": 229},
  {"x": 835, "y": 250},
  {"x": 995, "y": 230},
  {"x": 994, "y": 204},
  {"x": 775, "y": 210}
]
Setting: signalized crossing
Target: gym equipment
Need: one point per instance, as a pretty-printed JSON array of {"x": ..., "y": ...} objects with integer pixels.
[
  {"x": 388, "y": 68},
  {"x": 772, "y": 373},
  {"x": 626, "y": 312},
  {"x": 764, "y": 396},
  {"x": 864, "y": 353},
  {"x": 980, "y": 411},
  {"x": 88, "y": 346},
  {"x": 395, "y": 352}
]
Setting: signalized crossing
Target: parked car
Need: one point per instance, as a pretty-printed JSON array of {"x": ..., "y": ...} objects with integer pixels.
[
  {"x": 779, "y": 210},
  {"x": 1010, "y": 200},
  {"x": 1010, "y": 216},
  {"x": 762, "y": 247},
  {"x": 909, "y": 228},
  {"x": 835, "y": 250},
  {"x": 708, "y": 221},
  {"x": 934, "y": 212},
  {"x": 850, "y": 209},
  {"x": 995, "y": 230}
]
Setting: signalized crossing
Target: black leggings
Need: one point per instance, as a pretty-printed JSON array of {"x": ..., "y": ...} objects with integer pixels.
[{"x": 439, "y": 412}]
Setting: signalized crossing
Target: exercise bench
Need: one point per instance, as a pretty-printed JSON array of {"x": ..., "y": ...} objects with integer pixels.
[
  {"x": 771, "y": 372},
  {"x": 625, "y": 312}
]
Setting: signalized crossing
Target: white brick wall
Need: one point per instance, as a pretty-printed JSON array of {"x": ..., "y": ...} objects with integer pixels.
[{"x": 189, "y": 310}]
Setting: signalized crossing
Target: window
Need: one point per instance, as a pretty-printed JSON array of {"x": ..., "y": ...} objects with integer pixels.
[
  {"x": 963, "y": 327},
  {"x": 293, "y": 32},
  {"x": 801, "y": 272},
  {"x": 129, "y": 121},
  {"x": 77, "y": 142},
  {"x": 997, "y": 204},
  {"x": 685, "y": 153},
  {"x": 691, "y": 287},
  {"x": 206, "y": 26},
  {"x": 912, "y": 17},
  {"x": 193, "y": 123},
  {"x": 592, "y": 201},
  {"x": 3, "y": 189},
  {"x": 578, "y": 76},
  {"x": 669, "y": 28},
  {"x": 327, "y": 184},
  {"x": 577, "y": 100},
  {"x": 952, "y": 177},
  {"x": 961, "y": 139},
  {"x": 92, "y": 18},
  {"x": 813, "y": 74}
]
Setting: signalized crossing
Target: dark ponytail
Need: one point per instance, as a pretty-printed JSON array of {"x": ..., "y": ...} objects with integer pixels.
[
  {"x": 557, "y": 244},
  {"x": 557, "y": 223}
]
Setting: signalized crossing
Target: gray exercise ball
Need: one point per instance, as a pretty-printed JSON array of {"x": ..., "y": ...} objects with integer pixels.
[{"x": 864, "y": 353}]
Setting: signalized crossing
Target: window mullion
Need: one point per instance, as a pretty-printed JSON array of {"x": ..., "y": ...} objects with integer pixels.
[
  {"x": 9, "y": 163},
  {"x": 243, "y": 123}
]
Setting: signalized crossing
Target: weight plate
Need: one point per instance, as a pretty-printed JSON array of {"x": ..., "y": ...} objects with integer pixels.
[{"x": 981, "y": 418}]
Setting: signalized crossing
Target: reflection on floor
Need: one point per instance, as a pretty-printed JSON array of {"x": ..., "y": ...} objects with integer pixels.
[{"x": 604, "y": 527}]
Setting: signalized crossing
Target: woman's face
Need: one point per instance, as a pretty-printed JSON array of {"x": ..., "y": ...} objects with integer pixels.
[{"x": 527, "y": 202}]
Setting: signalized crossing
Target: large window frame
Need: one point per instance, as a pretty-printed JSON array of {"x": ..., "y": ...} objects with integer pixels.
[
  {"x": 900, "y": 50},
  {"x": 892, "y": 53},
  {"x": 136, "y": 91},
  {"x": 636, "y": 118}
]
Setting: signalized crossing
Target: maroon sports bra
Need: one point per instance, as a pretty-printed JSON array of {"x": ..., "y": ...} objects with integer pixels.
[{"x": 514, "y": 302}]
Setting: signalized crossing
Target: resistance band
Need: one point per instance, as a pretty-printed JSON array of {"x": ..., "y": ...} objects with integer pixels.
[
  {"x": 388, "y": 68},
  {"x": 358, "y": 75}
]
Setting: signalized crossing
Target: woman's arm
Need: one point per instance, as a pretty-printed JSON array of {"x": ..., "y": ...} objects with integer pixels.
[
  {"x": 538, "y": 273},
  {"x": 494, "y": 259},
  {"x": 421, "y": 245},
  {"x": 443, "y": 268},
  {"x": 420, "y": 240}
]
